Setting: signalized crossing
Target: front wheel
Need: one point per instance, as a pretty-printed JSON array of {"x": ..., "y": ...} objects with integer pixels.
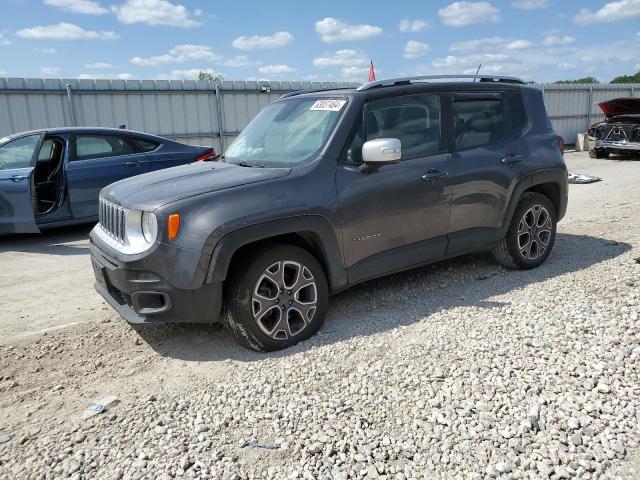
[
  {"x": 276, "y": 298},
  {"x": 531, "y": 234},
  {"x": 598, "y": 153}
]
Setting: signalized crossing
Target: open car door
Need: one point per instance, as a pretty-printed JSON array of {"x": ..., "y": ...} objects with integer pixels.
[{"x": 17, "y": 164}]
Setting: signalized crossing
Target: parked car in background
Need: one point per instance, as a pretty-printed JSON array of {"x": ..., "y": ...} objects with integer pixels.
[
  {"x": 327, "y": 189},
  {"x": 53, "y": 177},
  {"x": 620, "y": 132}
]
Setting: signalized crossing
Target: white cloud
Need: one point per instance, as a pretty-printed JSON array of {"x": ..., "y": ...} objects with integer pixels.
[
  {"x": 64, "y": 31},
  {"x": 154, "y": 12},
  {"x": 341, "y": 58},
  {"x": 87, "y": 7},
  {"x": 478, "y": 44},
  {"x": 415, "y": 49},
  {"x": 566, "y": 66},
  {"x": 49, "y": 71},
  {"x": 611, "y": 12},
  {"x": 461, "y": 14},
  {"x": 98, "y": 65},
  {"x": 485, "y": 70},
  {"x": 191, "y": 74},
  {"x": 278, "y": 69},
  {"x": 356, "y": 74},
  {"x": 237, "y": 62},
  {"x": 491, "y": 43},
  {"x": 530, "y": 4},
  {"x": 258, "y": 42},
  {"x": 178, "y": 54},
  {"x": 555, "y": 40},
  {"x": 520, "y": 45},
  {"x": 332, "y": 30},
  {"x": 48, "y": 51},
  {"x": 96, "y": 76},
  {"x": 412, "y": 26},
  {"x": 476, "y": 59}
]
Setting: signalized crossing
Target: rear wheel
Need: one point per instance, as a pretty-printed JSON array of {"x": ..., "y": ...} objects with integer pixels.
[
  {"x": 531, "y": 234},
  {"x": 276, "y": 298},
  {"x": 598, "y": 153}
]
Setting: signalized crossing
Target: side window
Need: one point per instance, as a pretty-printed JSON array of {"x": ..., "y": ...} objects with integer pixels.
[
  {"x": 142, "y": 145},
  {"x": 477, "y": 123},
  {"x": 18, "y": 153},
  {"x": 101, "y": 146},
  {"x": 415, "y": 120}
]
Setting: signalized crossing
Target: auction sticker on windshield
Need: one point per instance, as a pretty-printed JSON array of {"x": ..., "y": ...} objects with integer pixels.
[{"x": 328, "y": 105}]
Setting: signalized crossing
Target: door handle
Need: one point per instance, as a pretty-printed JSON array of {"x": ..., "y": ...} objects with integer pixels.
[
  {"x": 512, "y": 158},
  {"x": 132, "y": 164},
  {"x": 434, "y": 175},
  {"x": 15, "y": 178}
]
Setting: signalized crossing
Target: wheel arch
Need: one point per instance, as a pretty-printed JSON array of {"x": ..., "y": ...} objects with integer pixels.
[
  {"x": 311, "y": 232},
  {"x": 551, "y": 183}
]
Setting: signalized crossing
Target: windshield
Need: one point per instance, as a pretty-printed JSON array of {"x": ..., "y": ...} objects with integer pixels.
[{"x": 286, "y": 133}]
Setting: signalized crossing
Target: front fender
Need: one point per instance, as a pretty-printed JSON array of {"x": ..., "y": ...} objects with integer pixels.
[{"x": 315, "y": 225}]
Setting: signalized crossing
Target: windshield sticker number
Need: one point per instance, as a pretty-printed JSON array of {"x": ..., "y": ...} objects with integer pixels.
[{"x": 328, "y": 105}]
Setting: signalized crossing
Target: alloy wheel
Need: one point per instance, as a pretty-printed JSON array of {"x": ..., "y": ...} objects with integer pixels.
[
  {"x": 534, "y": 232},
  {"x": 284, "y": 299}
]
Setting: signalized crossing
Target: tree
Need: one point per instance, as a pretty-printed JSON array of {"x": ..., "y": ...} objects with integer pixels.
[
  {"x": 210, "y": 76},
  {"x": 627, "y": 78},
  {"x": 587, "y": 80}
]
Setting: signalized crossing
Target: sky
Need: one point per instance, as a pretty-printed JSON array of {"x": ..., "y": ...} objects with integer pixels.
[{"x": 330, "y": 40}]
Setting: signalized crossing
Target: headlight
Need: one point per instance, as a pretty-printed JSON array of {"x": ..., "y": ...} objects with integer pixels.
[{"x": 149, "y": 227}]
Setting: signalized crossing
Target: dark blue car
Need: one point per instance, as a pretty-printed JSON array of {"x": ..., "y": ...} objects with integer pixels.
[{"x": 53, "y": 177}]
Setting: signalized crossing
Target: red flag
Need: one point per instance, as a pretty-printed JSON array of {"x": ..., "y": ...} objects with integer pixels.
[{"x": 372, "y": 73}]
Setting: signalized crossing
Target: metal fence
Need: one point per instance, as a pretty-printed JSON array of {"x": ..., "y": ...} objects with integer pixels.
[
  {"x": 201, "y": 113},
  {"x": 189, "y": 111}
]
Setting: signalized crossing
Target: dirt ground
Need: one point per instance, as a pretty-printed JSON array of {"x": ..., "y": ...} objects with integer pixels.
[{"x": 62, "y": 347}]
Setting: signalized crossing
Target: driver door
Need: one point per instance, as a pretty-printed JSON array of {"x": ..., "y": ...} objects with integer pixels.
[{"x": 17, "y": 160}]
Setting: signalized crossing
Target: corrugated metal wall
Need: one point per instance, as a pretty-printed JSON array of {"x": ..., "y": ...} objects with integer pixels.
[
  {"x": 192, "y": 111},
  {"x": 188, "y": 111}
]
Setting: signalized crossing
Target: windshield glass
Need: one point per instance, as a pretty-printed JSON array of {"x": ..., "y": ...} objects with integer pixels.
[{"x": 286, "y": 133}]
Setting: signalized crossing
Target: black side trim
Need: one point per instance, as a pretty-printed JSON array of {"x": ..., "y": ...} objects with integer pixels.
[{"x": 316, "y": 225}]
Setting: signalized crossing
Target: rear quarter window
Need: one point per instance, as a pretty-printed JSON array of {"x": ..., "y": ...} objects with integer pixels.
[{"x": 141, "y": 145}]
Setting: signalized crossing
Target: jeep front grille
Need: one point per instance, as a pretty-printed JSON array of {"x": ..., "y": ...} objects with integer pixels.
[{"x": 113, "y": 220}]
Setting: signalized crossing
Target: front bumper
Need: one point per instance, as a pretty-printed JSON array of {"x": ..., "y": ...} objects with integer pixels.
[
  {"x": 141, "y": 296},
  {"x": 612, "y": 145}
]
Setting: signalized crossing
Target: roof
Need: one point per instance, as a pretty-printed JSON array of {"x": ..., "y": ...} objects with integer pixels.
[{"x": 61, "y": 130}]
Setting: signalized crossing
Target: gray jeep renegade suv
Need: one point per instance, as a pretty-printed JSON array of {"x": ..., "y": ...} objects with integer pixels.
[{"x": 326, "y": 189}]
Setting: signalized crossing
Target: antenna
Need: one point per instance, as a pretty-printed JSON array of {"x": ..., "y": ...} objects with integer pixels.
[{"x": 477, "y": 72}]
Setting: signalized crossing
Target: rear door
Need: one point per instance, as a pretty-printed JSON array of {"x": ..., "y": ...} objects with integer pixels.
[
  {"x": 96, "y": 161},
  {"x": 488, "y": 156},
  {"x": 17, "y": 160}
]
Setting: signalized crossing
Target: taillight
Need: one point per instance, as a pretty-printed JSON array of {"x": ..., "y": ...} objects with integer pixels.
[
  {"x": 561, "y": 145},
  {"x": 208, "y": 155}
]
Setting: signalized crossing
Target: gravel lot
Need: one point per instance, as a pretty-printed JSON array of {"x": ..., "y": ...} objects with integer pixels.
[{"x": 457, "y": 370}]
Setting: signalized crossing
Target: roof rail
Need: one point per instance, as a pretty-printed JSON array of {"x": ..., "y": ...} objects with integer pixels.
[
  {"x": 313, "y": 90},
  {"x": 410, "y": 80}
]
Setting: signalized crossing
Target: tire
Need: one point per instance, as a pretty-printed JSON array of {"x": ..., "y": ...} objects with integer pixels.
[
  {"x": 598, "y": 153},
  {"x": 535, "y": 216},
  {"x": 265, "y": 318}
]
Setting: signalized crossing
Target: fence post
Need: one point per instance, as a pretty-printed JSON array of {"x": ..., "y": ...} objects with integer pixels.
[
  {"x": 589, "y": 108},
  {"x": 220, "y": 119},
  {"x": 71, "y": 108}
]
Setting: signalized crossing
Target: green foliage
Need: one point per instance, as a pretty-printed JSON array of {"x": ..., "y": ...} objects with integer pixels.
[
  {"x": 209, "y": 76},
  {"x": 627, "y": 78},
  {"x": 587, "y": 80}
]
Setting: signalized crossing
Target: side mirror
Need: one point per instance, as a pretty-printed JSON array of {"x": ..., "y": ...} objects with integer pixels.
[{"x": 381, "y": 151}]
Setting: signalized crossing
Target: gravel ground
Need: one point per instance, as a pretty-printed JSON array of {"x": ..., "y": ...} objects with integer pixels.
[{"x": 458, "y": 370}]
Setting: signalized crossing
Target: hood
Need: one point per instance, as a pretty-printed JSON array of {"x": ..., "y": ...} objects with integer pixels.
[
  {"x": 153, "y": 190},
  {"x": 620, "y": 106}
]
